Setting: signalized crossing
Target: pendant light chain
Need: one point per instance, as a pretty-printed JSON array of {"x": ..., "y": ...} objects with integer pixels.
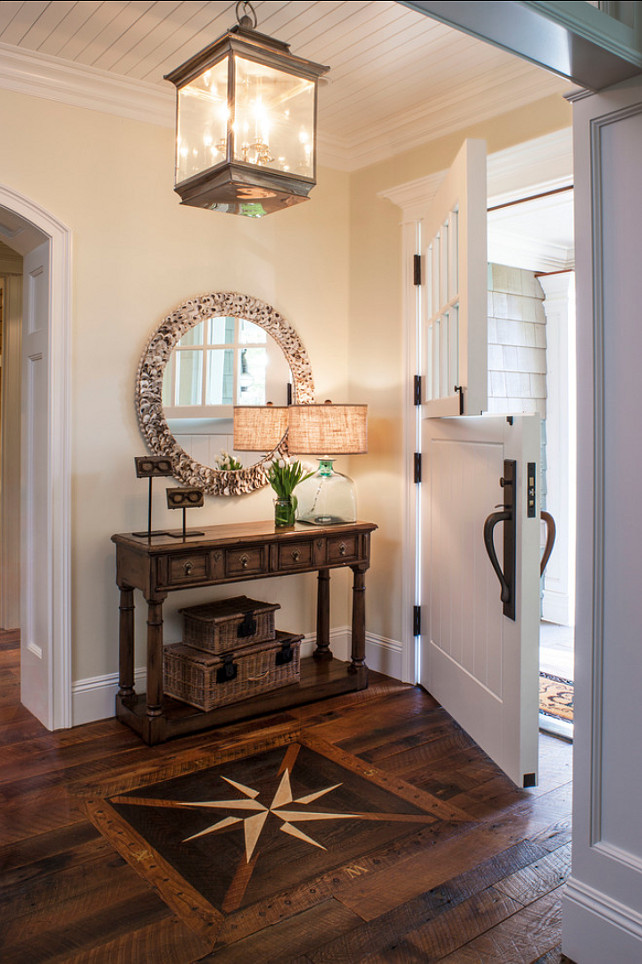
[{"x": 246, "y": 20}]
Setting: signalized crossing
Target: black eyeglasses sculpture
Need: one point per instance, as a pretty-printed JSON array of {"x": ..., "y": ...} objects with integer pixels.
[
  {"x": 152, "y": 467},
  {"x": 185, "y": 498}
]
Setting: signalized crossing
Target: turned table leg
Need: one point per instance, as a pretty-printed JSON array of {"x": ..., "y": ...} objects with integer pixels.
[
  {"x": 154, "y": 657},
  {"x": 126, "y": 643},
  {"x": 358, "y": 619},
  {"x": 323, "y": 652}
]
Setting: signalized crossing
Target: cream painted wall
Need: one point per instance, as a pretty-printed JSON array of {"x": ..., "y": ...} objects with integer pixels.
[
  {"x": 376, "y": 353},
  {"x": 331, "y": 266},
  {"x": 136, "y": 255}
]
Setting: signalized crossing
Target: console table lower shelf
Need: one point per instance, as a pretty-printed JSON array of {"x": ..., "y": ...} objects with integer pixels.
[{"x": 319, "y": 679}]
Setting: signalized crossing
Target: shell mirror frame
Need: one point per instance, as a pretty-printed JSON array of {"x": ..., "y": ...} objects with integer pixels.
[{"x": 225, "y": 345}]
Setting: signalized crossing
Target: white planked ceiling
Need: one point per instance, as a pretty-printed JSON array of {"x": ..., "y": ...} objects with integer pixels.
[{"x": 397, "y": 78}]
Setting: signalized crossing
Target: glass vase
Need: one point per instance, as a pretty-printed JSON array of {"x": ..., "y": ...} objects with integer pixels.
[
  {"x": 327, "y": 497},
  {"x": 285, "y": 512}
]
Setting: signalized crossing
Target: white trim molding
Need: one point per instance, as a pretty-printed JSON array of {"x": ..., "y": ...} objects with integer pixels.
[
  {"x": 532, "y": 167},
  {"x": 94, "y": 698},
  {"x": 57, "y": 616},
  {"x": 385, "y": 656},
  {"x": 602, "y": 908},
  {"x": 37, "y": 74},
  {"x": 53, "y": 78},
  {"x": 608, "y": 929}
]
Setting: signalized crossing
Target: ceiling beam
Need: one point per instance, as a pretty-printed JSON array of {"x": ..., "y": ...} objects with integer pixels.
[{"x": 574, "y": 40}]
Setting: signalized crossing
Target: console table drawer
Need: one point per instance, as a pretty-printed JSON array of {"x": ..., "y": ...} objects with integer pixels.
[
  {"x": 297, "y": 555},
  {"x": 252, "y": 560},
  {"x": 343, "y": 548},
  {"x": 186, "y": 568}
]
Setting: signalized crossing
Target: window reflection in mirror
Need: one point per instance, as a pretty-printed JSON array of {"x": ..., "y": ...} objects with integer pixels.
[{"x": 219, "y": 363}]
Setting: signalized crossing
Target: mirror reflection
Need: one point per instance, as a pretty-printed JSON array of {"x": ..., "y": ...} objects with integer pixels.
[{"x": 219, "y": 363}]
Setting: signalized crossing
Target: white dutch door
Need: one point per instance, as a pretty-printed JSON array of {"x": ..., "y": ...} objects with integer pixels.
[{"x": 480, "y": 624}]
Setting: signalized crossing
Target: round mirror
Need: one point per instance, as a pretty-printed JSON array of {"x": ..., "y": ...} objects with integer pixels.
[{"x": 210, "y": 354}]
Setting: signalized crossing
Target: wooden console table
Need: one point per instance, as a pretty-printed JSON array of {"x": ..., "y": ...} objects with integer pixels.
[{"x": 229, "y": 554}]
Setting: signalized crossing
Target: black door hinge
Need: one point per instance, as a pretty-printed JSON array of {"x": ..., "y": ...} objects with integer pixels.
[
  {"x": 416, "y": 269},
  {"x": 416, "y": 620},
  {"x": 417, "y": 390},
  {"x": 417, "y": 467}
]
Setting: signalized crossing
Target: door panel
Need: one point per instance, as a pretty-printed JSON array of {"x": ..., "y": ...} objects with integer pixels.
[
  {"x": 454, "y": 325},
  {"x": 35, "y": 643},
  {"x": 479, "y": 664}
]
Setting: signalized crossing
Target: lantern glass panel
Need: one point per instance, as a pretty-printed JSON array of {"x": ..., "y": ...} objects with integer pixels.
[
  {"x": 202, "y": 122},
  {"x": 274, "y": 119}
]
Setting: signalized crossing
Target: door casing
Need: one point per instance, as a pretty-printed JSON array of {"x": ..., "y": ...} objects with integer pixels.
[{"x": 55, "y": 609}]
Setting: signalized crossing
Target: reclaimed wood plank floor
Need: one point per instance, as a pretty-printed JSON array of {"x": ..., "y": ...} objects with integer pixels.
[{"x": 477, "y": 882}]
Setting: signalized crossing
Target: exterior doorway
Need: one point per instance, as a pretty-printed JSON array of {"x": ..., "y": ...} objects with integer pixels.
[{"x": 532, "y": 338}]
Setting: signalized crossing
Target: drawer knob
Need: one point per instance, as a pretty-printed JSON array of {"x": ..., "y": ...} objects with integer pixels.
[
  {"x": 244, "y": 562},
  {"x": 342, "y": 549},
  {"x": 187, "y": 568},
  {"x": 296, "y": 555}
]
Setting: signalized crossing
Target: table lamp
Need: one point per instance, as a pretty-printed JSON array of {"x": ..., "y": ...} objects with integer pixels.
[
  {"x": 259, "y": 428},
  {"x": 327, "y": 497}
]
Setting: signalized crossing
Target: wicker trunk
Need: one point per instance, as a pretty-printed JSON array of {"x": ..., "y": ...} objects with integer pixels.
[
  {"x": 228, "y": 624},
  {"x": 209, "y": 680}
]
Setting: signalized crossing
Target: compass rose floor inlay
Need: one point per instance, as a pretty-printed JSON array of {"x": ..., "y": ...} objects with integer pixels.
[{"x": 220, "y": 839}]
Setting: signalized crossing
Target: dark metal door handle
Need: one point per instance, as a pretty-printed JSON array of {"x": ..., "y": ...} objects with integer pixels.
[
  {"x": 550, "y": 540},
  {"x": 506, "y": 575},
  {"x": 489, "y": 528}
]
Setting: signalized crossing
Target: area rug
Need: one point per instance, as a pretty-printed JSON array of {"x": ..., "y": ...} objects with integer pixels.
[
  {"x": 556, "y": 697},
  {"x": 288, "y": 821}
]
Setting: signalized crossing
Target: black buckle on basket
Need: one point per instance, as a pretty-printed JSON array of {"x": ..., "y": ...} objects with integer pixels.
[
  {"x": 228, "y": 671},
  {"x": 285, "y": 656},
  {"x": 247, "y": 627}
]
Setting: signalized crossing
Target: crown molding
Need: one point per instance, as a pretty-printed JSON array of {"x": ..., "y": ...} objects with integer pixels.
[
  {"x": 52, "y": 78},
  {"x": 60, "y": 80},
  {"x": 412, "y": 196},
  {"x": 518, "y": 251},
  {"x": 541, "y": 164},
  {"x": 437, "y": 117}
]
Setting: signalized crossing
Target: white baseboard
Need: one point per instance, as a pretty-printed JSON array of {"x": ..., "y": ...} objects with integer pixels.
[
  {"x": 384, "y": 655},
  {"x": 95, "y": 698},
  {"x": 596, "y": 928}
]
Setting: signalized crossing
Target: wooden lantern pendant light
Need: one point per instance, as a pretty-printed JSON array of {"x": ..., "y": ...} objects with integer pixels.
[{"x": 246, "y": 123}]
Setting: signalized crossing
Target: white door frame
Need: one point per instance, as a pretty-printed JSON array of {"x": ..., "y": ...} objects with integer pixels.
[
  {"x": 57, "y": 608},
  {"x": 527, "y": 168}
]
